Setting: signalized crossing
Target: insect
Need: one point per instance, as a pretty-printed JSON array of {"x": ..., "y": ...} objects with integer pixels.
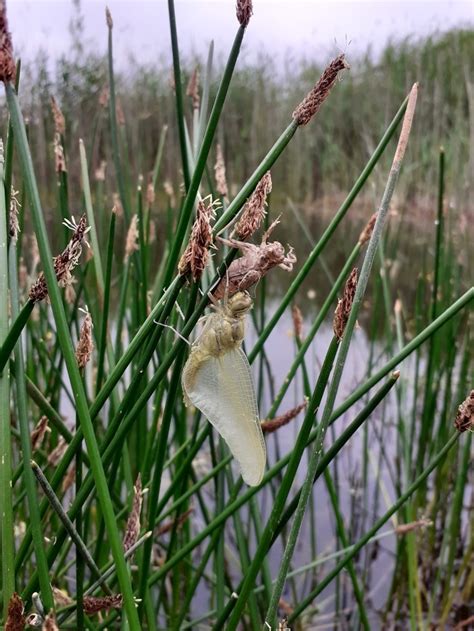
[
  {"x": 217, "y": 380},
  {"x": 255, "y": 262}
]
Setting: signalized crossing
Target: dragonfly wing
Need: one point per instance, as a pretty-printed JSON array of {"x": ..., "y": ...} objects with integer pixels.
[{"x": 223, "y": 390}]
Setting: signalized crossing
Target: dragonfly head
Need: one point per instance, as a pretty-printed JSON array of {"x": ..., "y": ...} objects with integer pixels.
[{"x": 239, "y": 303}]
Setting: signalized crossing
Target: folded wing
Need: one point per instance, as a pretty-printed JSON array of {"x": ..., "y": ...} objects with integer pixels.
[{"x": 223, "y": 391}]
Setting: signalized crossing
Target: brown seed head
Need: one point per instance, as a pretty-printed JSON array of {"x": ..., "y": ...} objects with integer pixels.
[
  {"x": 465, "y": 416},
  {"x": 344, "y": 305},
  {"x": 69, "y": 478},
  {"x": 297, "y": 321},
  {"x": 196, "y": 254},
  {"x": 100, "y": 171},
  {"x": 13, "y": 224},
  {"x": 94, "y": 604},
  {"x": 368, "y": 229},
  {"x": 85, "y": 344},
  {"x": 150, "y": 194},
  {"x": 58, "y": 117},
  {"x": 39, "y": 432},
  {"x": 59, "y": 158},
  {"x": 193, "y": 89},
  {"x": 49, "y": 623},
  {"x": 104, "y": 97},
  {"x": 219, "y": 172},
  {"x": 244, "y": 11},
  {"x": 178, "y": 522},
  {"x": 131, "y": 244},
  {"x": 169, "y": 190},
  {"x": 7, "y": 63},
  {"x": 65, "y": 262},
  {"x": 310, "y": 105},
  {"x": 108, "y": 18},
  {"x": 58, "y": 452},
  {"x": 272, "y": 425},
  {"x": 119, "y": 113},
  {"x": 403, "y": 529},
  {"x": 16, "y": 620},
  {"x": 254, "y": 210},
  {"x": 132, "y": 529}
]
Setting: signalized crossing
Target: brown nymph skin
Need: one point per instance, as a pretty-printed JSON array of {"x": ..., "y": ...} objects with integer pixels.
[{"x": 255, "y": 262}]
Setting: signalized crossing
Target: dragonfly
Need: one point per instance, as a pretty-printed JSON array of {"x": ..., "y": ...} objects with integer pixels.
[{"x": 217, "y": 380}]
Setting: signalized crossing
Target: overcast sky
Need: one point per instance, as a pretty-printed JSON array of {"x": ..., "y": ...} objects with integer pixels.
[{"x": 312, "y": 27}]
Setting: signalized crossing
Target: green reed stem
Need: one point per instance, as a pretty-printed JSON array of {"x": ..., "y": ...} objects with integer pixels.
[
  {"x": 370, "y": 533},
  {"x": 69, "y": 356},
  {"x": 6, "y": 495}
]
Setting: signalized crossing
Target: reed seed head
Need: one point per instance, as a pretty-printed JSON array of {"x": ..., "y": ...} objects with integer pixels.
[
  {"x": 65, "y": 262},
  {"x": 100, "y": 171},
  {"x": 196, "y": 254},
  {"x": 59, "y": 158},
  {"x": 272, "y": 425},
  {"x": 39, "y": 432},
  {"x": 150, "y": 194},
  {"x": 7, "y": 63},
  {"x": 368, "y": 229},
  {"x": 404, "y": 529},
  {"x": 465, "y": 416},
  {"x": 192, "y": 89},
  {"x": 68, "y": 479},
  {"x": 169, "y": 190},
  {"x": 244, "y": 11},
  {"x": 49, "y": 623},
  {"x": 85, "y": 344},
  {"x": 254, "y": 210},
  {"x": 131, "y": 243},
  {"x": 13, "y": 224},
  {"x": 108, "y": 18},
  {"x": 219, "y": 172},
  {"x": 58, "y": 117},
  {"x": 344, "y": 305},
  {"x": 94, "y": 604},
  {"x": 132, "y": 529},
  {"x": 16, "y": 620},
  {"x": 58, "y": 452},
  {"x": 297, "y": 321},
  {"x": 311, "y": 104}
]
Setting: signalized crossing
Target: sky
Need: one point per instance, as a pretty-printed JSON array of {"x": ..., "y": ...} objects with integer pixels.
[{"x": 311, "y": 28}]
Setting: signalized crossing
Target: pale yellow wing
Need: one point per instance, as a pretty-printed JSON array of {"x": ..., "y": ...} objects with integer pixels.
[{"x": 223, "y": 390}]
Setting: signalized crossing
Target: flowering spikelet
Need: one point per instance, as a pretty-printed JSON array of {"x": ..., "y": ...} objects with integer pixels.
[
  {"x": 344, "y": 305},
  {"x": 244, "y": 11},
  {"x": 65, "y": 262},
  {"x": 13, "y": 225},
  {"x": 169, "y": 190},
  {"x": 58, "y": 452},
  {"x": 99, "y": 173},
  {"x": 58, "y": 117},
  {"x": 15, "y": 616},
  {"x": 39, "y": 432},
  {"x": 150, "y": 194},
  {"x": 69, "y": 478},
  {"x": 273, "y": 424},
  {"x": 85, "y": 344},
  {"x": 94, "y": 604},
  {"x": 104, "y": 97},
  {"x": 297, "y": 321},
  {"x": 59, "y": 158},
  {"x": 465, "y": 416},
  {"x": 131, "y": 243},
  {"x": 310, "y": 105},
  {"x": 49, "y": 623},
  {"x": 7, "y": 63},
  {"x": 196, "y": 255},
  {"x": 368, "y": 229},
  {"x": 108, "y": 18},
  {"x": 403, "y": 529},
  {"x": 192, "y": 89},
  {"x": 132, "y": 529},
  {"x": 178, "y": 522},
  {"x": 254, "y": 209},
  {"x": 219, "y": 172}
]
